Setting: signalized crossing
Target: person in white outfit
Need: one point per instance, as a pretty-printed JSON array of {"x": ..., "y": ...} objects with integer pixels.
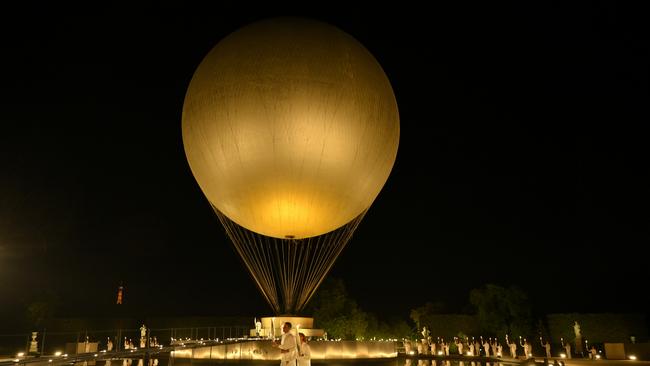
[
  {"x": 459, "y": 345},
  {"x": 513, "y": 348},
  {"x": 287, "y": 346},
  {"x": 486, "y": 348},
  {"x": 547, "y": 347},
  {"x": 304, "y": 351}
]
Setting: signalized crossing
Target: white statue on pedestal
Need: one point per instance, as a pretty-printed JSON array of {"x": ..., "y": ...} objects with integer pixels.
[
  {"x": 143, "y": 336},
  {"x": 258, "y": 327},
  {"x": 576, "y": 329},
  {"x": 578, "y": 333},
  {"x": 33, "y": 345}
]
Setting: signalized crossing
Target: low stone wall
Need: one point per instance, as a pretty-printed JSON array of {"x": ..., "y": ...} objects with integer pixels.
[{"x": 263, "y": 350}]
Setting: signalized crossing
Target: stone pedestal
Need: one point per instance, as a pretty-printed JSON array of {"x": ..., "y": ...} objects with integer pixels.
[
  {"x": 579, "y": 349},
  {"x": 81, "y": 347}
]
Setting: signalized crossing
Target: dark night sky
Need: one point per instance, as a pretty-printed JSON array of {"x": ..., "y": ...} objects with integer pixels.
[{"x": 522, "y": 159}]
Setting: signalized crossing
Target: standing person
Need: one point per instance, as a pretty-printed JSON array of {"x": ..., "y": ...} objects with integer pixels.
[
  {"x": 567, "y": 349},
  {"x": 459, "y": 346},
  {"x": 524, "y": 345},
  {"x": 287, "y": 346},
  {"x": 486, "y": 348},
  {"x": 547, "y": 347},
  {"x": 513, "y": 348},
  {"x": 529, "y": 346},
  {"x": 304, "y": 355}
]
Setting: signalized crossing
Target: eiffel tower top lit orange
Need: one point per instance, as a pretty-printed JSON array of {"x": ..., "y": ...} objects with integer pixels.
[{"x": 120, "y": 294}]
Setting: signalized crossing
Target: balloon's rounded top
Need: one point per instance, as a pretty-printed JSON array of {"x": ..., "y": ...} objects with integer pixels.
[{"x": 290, "y": 127}]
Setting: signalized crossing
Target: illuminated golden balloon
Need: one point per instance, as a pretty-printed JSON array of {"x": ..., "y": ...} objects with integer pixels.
[{"x": 290, "y": 127}]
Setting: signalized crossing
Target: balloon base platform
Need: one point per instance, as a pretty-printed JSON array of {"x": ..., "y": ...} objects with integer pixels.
[{"x": 272, "y": 326}]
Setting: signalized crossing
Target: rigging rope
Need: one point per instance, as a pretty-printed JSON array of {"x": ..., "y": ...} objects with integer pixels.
[{"x": 288, "y": 271}]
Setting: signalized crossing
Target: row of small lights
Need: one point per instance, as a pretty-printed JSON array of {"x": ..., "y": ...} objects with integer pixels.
[
  {"x": 440, "y": 353},
  {"x": 374, "y": 339},
  {"x": 65, "y": 355},
  {"x": 562, "y": 355},
  {"x": 56, "y": 354}
]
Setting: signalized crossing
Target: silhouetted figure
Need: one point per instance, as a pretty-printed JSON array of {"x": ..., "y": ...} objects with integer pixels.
[
  {"x": 567, "y": 349},
  {"x": 513, "y": 349}
]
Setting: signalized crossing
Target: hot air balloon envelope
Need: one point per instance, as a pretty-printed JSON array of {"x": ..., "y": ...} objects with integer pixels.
[{"x": 290, "y": 127}]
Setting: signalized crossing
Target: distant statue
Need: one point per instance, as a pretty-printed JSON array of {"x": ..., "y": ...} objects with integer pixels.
[
  {"x": 109, "y": 344},
  {"x": 258, "y": 328},
  {"x": 143, "y": 336},
  {"x": 33, "y": 344},
  {"x": 576, "y": 329},
  {"x": 86, "y": 345},
  {"x": 425, "y": 332}
]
